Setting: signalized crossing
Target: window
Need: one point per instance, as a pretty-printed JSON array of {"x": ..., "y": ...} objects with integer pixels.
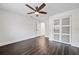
[{"x": 62, "y": 29}]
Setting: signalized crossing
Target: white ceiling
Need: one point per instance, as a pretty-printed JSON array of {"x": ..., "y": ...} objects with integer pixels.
[{"x": 51, "y": 8}]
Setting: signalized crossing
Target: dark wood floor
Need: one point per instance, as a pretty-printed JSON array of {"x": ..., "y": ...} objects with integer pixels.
[{"x": 38, "y": 46}]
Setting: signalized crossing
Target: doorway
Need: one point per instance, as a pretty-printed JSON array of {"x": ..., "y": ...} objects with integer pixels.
[{"x": 40, "y": 29}]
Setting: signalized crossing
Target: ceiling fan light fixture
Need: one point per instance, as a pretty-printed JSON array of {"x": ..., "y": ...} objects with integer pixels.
[{"x": 36, "y": 13}]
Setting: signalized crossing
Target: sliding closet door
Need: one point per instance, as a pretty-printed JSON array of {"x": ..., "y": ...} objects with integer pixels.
[{"x": 62, "y": 29}]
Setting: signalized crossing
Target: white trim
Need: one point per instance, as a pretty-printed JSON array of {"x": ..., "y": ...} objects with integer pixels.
[
  {"x": 60, "y": 41},
  {"x": 10, "y": 42}
]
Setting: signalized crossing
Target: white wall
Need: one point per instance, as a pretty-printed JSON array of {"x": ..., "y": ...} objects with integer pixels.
[
  {"x": 15, "y": 27},
  {"x": 75, "y": 25}
]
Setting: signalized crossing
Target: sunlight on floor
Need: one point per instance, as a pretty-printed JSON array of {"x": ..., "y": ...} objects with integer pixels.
[{"x": 42, "y": 43}]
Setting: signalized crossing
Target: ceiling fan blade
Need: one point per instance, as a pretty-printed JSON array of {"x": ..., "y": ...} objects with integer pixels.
[
  {"x": 41, "y": 7},
  {"x": 31, "y": 13},
  {"x": 43, "y": 12},
  {"x": 30, "y": 7}
]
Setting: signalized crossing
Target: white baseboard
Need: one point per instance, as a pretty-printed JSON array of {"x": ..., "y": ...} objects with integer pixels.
[
  {"x": 75, "y": 45},
  {"x": 14, "y": 41}
]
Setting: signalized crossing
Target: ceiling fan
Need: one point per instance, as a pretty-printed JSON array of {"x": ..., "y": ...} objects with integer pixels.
[{"x": 37, "y": 10}]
